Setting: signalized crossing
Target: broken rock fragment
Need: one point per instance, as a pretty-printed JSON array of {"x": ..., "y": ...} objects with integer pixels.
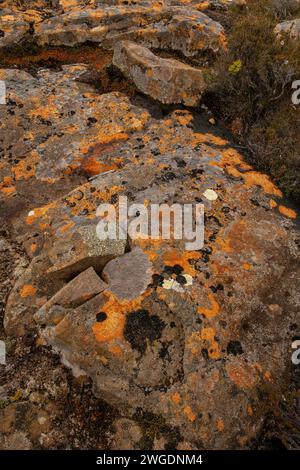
[
  {"x": 129, "y": 275},
  {"x": 78, "y": 291},
  {"x": 166, "y": 80},
  {"x": 82, "y": 249}
]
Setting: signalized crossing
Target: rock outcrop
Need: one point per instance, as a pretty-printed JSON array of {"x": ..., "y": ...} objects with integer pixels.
[
  {"x": 198, "y": 339},
  {"x": 184, "y": 335},
  {"x": 166, "y": 80},
  {"x": 185, "y": 30}
]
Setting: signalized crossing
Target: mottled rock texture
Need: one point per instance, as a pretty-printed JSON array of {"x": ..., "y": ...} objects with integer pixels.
[
  {"x": 152, "y": 24},
  {"x": 166, "y": 80},
  {"x": 197, "y": 357},
  {"x": 199, "y": 340}
]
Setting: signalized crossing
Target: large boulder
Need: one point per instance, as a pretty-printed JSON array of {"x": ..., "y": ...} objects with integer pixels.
[
  {"x": 166, "y": 80},
  {"x": 203, "y": 345}
]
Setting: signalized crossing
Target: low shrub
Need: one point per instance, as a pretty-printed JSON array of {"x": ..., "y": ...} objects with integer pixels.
[{"x": 251, "y": 87}]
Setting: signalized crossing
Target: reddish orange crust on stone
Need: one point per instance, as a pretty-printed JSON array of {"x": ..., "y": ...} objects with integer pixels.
[
  {"x": 214, "y": 308},
  {"x": 174, "y": 256},
  {"x": 242, "y": 374},
  {"x": 189, "y": 413},
  {"x": 116, "y": 310},
  {"x": 287, "y": 212},
  {"x": 27, "y": 291}
]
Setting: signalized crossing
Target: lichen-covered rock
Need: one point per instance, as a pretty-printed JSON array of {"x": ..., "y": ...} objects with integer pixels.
[
  {"x": 78, "y": 291},
  {"x": 15, "y": 26},
  {"x": 205, "y": 344},
  {"x": 166, "y": 80},
  {"x": 291, "y": 28},
  {"x": 171, "y": 28},
  {"x": 129, "y": 275}
]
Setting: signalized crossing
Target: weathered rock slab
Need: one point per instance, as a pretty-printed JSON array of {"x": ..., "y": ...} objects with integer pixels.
[
  {"x": 166, "y": 80},
  {"x": 206, "y": 348},
  {"x": 172, "y": 28}
]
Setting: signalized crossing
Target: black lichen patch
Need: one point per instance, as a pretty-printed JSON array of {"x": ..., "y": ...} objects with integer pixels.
[
  {"x": 101, "y": 317},
  {"x": 140, "y": 327},
  {"x": 235, "y": 348}
]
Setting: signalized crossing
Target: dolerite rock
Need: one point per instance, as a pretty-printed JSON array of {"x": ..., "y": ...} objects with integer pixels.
[
  {"x": 205, "y": 346},
  {"x": 290, "y": 28},
  {"x": 173, "y": 28},
  {"x": 166, "y": 80}
]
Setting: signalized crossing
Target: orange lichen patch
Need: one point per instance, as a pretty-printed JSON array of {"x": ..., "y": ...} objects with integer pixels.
[
  {"x": 175, "y": 398},
  {"x": 184, "y": 119},
  {"x": 213, "y": 310},
  {"x": 81, "y": 200},
  {"x": 27, "y": 291},
  {"x": 39, "y": 212},
  {"x": 174, "y": 256},
  {"x": 189, "y": 413},
  {"x": 195, "y": 342},
  {"x": 65, "y": 228},
  {"x": 231, "y": 158},
  {"x": 33, "y": 247},
  {"x": 220, "y": 425},
  {"x": 115, "y": 309},
  {"x": 273, "y": 204},
  {"x": 247, "y": 266},
  {"x": 267, "y": 376},
  {"x": 287, "y": 212},
  {"x": 114, "y": 349},
  {"x": 208, "y": 138},
  {"x": 219, "y": 268},
  {"x": 237, "y": 239},
  {"x": 113, "y": 326},
  {"x": 208, "y": 334},
  {"x": 8, "y": 191},
  {"x": 25, "y": 169},
  {"x": 93, "y": 167},
  {"x": 249, "y": 410},
  {"x": 242, "y": 374},
  {"x": 254, "y": 178}
]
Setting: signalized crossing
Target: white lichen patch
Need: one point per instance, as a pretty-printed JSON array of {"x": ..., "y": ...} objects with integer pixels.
[
  {"x": 189, "y": 279},
  {"x": 172, "y": 284},
  {"x": 210, "y": 194}
]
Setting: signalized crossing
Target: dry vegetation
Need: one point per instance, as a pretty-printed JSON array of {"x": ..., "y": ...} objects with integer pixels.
[{"x": 252, "y": 86}]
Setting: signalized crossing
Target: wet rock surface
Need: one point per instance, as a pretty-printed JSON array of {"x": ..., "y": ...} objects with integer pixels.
[{"x": 188, "y": 349}]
